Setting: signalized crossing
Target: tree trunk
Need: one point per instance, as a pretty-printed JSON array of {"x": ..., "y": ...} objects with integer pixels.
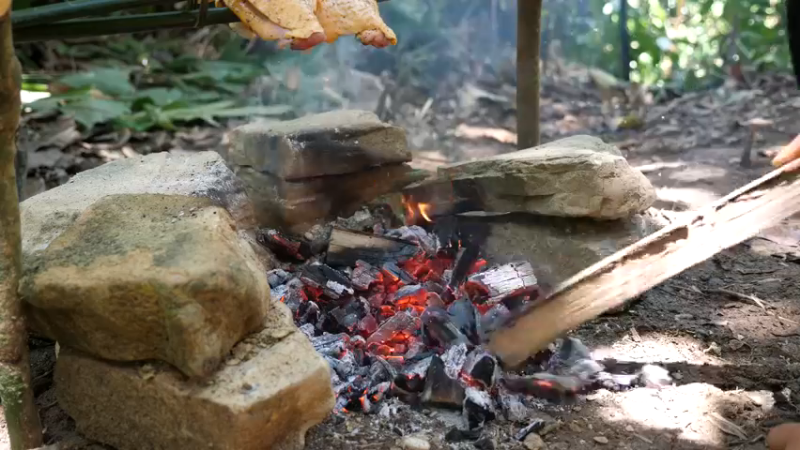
[
  {"x": 24, "y": 428},
  {"x": 529, "y": 26},
  {"x": 624, "y": 42}
]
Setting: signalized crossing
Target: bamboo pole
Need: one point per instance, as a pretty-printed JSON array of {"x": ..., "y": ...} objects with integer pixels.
[
  {"x": 529, "y": 30},
  {"x": 22, "y": 419}
]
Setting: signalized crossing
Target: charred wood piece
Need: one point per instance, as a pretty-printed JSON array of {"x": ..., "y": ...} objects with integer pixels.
[
  {"x": 507, "y": 280},
  {"x": 441, "y": 390},
  {"x": 347, "y": 247}
]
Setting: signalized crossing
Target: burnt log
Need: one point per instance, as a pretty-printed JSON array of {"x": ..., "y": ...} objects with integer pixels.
[
  {"x": 346, "y": 247},
  {"x": 507, "y": 280}
]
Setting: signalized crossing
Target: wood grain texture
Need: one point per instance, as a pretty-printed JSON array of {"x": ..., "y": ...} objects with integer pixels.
[{"x": 643, "y": 265}]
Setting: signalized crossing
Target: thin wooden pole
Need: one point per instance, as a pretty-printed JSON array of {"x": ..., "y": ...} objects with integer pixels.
[
  {"x": 22, "y": 419},
  {"x": 529, "y": 31}
]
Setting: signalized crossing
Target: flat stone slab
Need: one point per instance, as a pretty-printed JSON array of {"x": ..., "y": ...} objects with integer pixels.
[
  {"x": 202, "y": 174},
  {"x": 148, "y": 276},
  {"x": 331, "y": 143},
  {"x": 267, "y": 399},
  {"x": 579, "y": 176},
  {"x": 560, "y": 247}
]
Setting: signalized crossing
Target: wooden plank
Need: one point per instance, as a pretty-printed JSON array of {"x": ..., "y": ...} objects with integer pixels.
[{"x": 643, "y": 265}]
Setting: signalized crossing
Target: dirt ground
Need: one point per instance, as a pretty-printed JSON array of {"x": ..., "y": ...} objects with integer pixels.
[{"x": 728, "y": 330}]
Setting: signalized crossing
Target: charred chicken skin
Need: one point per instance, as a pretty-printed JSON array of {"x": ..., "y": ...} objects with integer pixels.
[{"x": 304, "y": 24}]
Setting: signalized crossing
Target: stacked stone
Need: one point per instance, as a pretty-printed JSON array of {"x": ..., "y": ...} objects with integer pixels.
[
  {"x": 143, "y": 272},
  {"x": 310, "y": 170},
  {"x": 582, "y": 202}
]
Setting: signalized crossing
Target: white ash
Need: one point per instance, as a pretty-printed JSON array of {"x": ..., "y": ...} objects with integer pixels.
[
  {"x": 454, "y": 359},
  {"x": 338, "y": 288}
]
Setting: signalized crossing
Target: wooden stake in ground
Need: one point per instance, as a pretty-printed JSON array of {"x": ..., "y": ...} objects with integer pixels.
[
  {"x": 24, "y": 428},
  {"x": 643, "y": 265},
  {"x": 529, "y": 31}
]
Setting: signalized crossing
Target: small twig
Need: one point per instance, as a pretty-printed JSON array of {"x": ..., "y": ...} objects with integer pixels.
[{"x": 738, "y": 295}]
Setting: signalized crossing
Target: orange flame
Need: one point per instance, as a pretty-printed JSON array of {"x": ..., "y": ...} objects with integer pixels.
[{"x": 424, "y": 208}]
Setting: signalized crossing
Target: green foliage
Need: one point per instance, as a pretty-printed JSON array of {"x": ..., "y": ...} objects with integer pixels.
[
  {"x": 144, "y": 85},
  {"x": 685, "y": 43}
]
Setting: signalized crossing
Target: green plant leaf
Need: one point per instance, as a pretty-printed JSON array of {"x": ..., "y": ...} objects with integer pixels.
[
  {"x": 90, "y": 111},
  {"x": 111, "y": 81}
]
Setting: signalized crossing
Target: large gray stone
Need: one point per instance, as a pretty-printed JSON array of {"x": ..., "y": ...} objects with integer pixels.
[
  {"x": 580, "y": 176},
  {"x": 558, "y": 248},
  {"x": 149, "y": 276},
  {"x": 265, "y": 397},
  {"x": 202, "y": 174},
  {"x": 331, "y": 143}
]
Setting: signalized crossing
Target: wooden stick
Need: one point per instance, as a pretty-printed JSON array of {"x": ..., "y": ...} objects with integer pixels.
[
  {"x": 643, "y": 265},
  {"x": 529, "y": 30},
  {"x": 24, "y": 428}
]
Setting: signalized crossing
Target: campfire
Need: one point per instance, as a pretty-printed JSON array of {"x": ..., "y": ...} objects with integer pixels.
[{"x": 403, "y": 312}]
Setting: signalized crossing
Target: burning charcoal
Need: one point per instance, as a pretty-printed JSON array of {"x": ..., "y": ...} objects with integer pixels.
[
  {"x": 433, "y": 287},
  {"x": 308, "y": 329},
  {"x": 344, "y": 319},
  {"x": 454, "y": 359},
  {"x": 332, "y": 282},
  {"x": 415, "y": 348},
  {"x": 346, "y": 247},
  {"x": 380, "y": 370},
  {"x": 291, "y": 294},
  {"x": 472, "y": 235},
  {"x": 457, "y": 435},
  {"x": 284, "y": 246},
  {"x": 447, "y": 276},
  {"x": 434, "y": 301},
  {"x": 363, "y": 276},
  {"x": 514, "y": 302},
  {"x": 441, "y": 390},
  {"x": 418, "y": 235},
  {"x": 478, "y": 407},
  {"x": 394, "y": 272},
  {"x": 465, "y": 317},
  {"x": 491, "y": 320},
  {"x": 345, "y": 366},
  {"x": 330, "y": 344},
  {"x": 277, "y": 277},
  {"x": 308, "y": 312},
  {"x": 554, "y": 388},
  {"x": 374, "y": 396},
  {"x": 367, "y": 325},
  {"x": 402, "y": 322},
  {"x": 534, "y": 427},
  {"x": 654, "y": 376},
  {"x": 412, "y": 379},
  {"x": 480, "y": 368},
  {"x": 377, "y": 299},
  {"x": 506, "y": 280},
  {"x": 439, "y": 330},
  {"x": 410, "y": 296}
]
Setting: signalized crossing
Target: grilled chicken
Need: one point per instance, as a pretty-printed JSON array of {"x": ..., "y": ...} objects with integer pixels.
[{"x": 307, "y": 23}]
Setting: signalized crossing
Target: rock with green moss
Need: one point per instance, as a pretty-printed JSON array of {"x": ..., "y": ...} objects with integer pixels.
[{"x": 148, "y": 276}]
